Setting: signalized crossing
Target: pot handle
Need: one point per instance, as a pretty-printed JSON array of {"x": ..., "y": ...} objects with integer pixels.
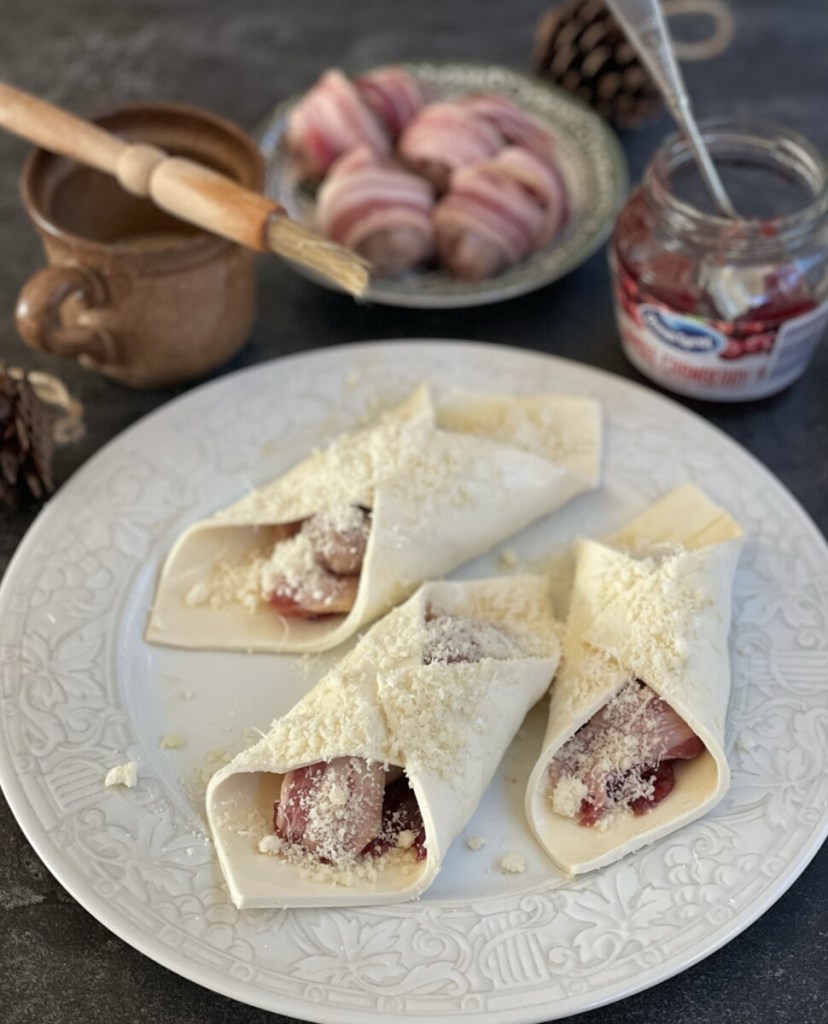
[{"x": 38, "y": 314}]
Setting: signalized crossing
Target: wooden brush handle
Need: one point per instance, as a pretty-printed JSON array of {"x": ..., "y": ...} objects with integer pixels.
[{"x": 182, "y": 187}]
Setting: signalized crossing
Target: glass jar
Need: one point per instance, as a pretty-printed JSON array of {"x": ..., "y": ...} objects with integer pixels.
[{"x": 713, "y": 307}]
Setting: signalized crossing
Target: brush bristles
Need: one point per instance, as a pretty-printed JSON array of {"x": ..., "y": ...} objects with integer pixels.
[{"x": 300, "y": 244}]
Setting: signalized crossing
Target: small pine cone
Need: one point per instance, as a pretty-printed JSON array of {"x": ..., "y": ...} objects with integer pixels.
[
  {"x": 26, "y": 445},
  {"x": 582, "y": 48}
]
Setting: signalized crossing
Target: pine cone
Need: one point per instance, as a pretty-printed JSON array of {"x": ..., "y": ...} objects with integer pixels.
[
  {"x": 26, "y": 445},
  {"x": 581, "y": 47}
]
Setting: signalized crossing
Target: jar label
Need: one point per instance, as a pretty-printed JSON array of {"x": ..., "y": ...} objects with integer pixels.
[{"x": 694, "y": 357}]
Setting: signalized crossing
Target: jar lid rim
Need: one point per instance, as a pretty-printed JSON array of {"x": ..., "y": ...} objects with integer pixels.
[{"x": 764, "y": 133}]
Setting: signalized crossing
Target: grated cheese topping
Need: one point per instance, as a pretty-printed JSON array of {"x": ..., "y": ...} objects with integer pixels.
[
  {"x": 636, "y": 617},
  {"x": 406, "y": 839},
  {"x": 293, "y": 567},
  {"x": 609, "y": 761},
  {"x": 333, "y": 813},
  {"x": 383, "y": 702},
  {"x": 346, "y": 872},
  {"x": 566, "y": 430},
  {"x": 461, "y": 638},
  {"x": 422, "y": 690},
  {"x": 303, "y": 565},
  {"x": 567, "y": 795},
  {"x": 233, "y": 583},
  {"x": 338, "y": 537}
]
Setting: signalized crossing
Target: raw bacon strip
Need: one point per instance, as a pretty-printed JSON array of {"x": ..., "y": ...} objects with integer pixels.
[
  {"x": 543, "y": 181},
  {"x": 489, "y": 220},
  {"x": 513, "y": 123},
  {"x": 379, "y": 211},
  {"x": 622, "y": 757},
  {"x": 444, "y": 137},
  {"x": 394, "y": 95},
  {"x": 330, "y": 120}
]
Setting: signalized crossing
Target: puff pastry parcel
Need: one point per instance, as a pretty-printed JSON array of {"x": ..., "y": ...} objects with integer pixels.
[
  {"x": 355, "y": 795},
  {"x": 634, "y": 746},
  {"x": 301, "y": 564}
]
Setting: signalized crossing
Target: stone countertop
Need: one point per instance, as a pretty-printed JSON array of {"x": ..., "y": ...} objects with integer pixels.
[{"x": 58, "y": 965}]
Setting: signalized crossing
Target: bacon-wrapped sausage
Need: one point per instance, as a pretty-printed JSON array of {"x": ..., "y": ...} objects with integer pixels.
[
  {"x": 623, "y": 757},
  {"x": 498, "y": 212},
  {"x": 505, "y": 196},
  {"x": 444, "y": 137},
  {"x": 314, "y": 567},
  {"x": 379, "y": 767},
  {"x": 515, "y": 125},
  {"x": 380, "y": 211},
  {"x": 394, "y": 95},
  {"x": 543, "y": 181},
  {"x": 348, "y": 807},
  {"x": 331, "y": 120}
]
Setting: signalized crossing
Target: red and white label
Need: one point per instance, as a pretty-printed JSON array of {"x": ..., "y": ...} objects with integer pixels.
[{"x": 685, "y": 353}]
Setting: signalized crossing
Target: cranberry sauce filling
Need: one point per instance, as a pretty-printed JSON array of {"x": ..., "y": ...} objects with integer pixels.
[{"x": 400, "y": 813}]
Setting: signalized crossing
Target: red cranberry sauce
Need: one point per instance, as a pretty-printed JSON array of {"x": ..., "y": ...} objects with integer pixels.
[{"x": 648, "y": 272}]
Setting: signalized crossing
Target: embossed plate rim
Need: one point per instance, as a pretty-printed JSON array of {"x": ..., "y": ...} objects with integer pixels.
[{"x": 502, "y": 366}]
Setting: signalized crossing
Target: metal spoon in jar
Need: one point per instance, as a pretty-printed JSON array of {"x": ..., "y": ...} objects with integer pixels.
[{"x": 643, "y": 23}]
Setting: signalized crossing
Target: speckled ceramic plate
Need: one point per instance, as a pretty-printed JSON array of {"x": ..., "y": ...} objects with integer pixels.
[
  {"x": 590, "y": 161},
  {"x": 82, "y": 692}
]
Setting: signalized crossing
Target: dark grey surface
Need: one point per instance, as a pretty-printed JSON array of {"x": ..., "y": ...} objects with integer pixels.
[{"x": 57, "y": 964}]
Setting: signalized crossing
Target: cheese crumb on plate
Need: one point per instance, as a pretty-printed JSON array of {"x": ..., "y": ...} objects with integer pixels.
[
  {"x": 122, "y": 775},
  {"x": 171, "y": 741},
  {"x": 512, "y": 863}
]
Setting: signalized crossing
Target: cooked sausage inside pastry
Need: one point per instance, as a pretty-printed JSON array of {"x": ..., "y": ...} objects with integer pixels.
[{"x": 621, "y": 760}]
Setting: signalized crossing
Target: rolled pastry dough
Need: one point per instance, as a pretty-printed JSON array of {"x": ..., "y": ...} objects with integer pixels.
[
  {"x": 654, "y": 603},
  {"x": 447, "y": 724},
  {"x": 443, "y": 487}
]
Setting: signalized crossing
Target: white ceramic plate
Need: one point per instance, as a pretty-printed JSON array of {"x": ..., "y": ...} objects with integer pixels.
[
  {"x": 83, "y": 692},
  {"x": 590, "y": 160}
]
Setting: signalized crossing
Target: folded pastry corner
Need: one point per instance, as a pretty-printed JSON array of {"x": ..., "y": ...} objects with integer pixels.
[
  {"x": 355, "y": 795},
  {"x": 302, "y": 563},
  {"x": 634, "y": 746}
]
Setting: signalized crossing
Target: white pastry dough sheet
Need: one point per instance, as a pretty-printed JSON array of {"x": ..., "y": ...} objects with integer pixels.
[
  {"x": 653, "y": 604},
  {"x": 446, "y": 723},
  {"x": 442, "y": 486}
]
